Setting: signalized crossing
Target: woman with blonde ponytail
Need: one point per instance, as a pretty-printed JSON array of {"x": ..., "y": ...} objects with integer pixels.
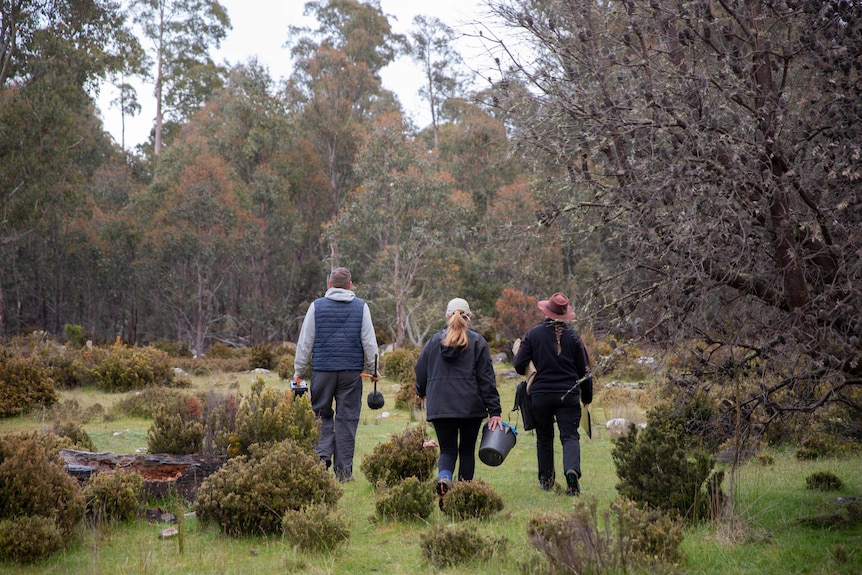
[
  {"x": 455, "y": 378},
  {"x": 562, "y": 382}
]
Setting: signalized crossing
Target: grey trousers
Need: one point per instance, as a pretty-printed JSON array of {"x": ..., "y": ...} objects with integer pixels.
[{"x": 337, "y": 440}]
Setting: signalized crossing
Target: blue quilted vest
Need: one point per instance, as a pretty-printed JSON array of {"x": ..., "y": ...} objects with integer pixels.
[{"x": 337, "y": 335}]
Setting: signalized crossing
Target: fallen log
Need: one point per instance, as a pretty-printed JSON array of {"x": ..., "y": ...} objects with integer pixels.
[{"x": 163, "y": 473}]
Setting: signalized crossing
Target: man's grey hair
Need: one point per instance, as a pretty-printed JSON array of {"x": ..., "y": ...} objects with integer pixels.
[{"x": 340, "y": 278}]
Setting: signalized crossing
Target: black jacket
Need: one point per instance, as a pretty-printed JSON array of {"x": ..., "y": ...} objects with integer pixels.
[
  {"x": 458, "y": 383},
  {"x": 555, "y": 373}
]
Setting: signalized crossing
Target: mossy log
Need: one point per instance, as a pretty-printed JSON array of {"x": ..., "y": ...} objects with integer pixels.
[{"x": 163, "y": 473}]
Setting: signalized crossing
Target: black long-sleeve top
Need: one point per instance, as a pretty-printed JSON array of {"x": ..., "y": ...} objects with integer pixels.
[
  {"x": 555, "y": 373},
  {"x": 458, "y": 382}
]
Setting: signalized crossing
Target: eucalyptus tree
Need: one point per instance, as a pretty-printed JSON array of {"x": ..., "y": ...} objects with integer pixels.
[
  {"x": 431, "y": 46},
  {"x": 718, "y": 143},
  {"x": 52, "y": 56},
  {"x": 401, "y": 218},
  {"x": 182, "y": 35},
  {"x": 336, "y": 89}
]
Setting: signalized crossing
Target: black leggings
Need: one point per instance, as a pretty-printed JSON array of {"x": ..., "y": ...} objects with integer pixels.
[{"x": 450, "y": 448}]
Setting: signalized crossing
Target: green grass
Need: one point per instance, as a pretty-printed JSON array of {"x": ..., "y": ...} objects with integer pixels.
[{"x": 769, "y": 503}]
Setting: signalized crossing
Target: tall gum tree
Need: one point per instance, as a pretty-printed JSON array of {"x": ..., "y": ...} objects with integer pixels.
[
  {"x": 719, "y": 145},
  {"x": 181, "y": 35},
  {"x": 403, "y": 213},
  {"x": 336, "y": 89}
]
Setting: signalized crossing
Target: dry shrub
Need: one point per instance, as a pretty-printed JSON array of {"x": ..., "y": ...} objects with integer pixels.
[
  {"x": 446, "y": 546},
  {"x": 574, "y": 542},
  {"x": 397, "y": 365},
  {"x": 401, "y": 457}
]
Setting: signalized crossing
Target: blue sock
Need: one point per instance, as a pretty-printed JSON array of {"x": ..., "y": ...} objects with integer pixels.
[{"x": 444, "y": 474}]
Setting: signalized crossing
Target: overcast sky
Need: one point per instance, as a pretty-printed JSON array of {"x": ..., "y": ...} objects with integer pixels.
[{"x": 260, "y": 29}]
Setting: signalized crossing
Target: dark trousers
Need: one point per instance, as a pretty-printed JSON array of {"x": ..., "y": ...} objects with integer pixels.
[
  {"x": 337, "y": 439},
  {"x": 566, "y": 411},
  {"x": 451, "y": 449}
]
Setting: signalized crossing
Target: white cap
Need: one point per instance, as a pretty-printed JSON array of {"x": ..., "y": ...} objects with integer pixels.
[{"x": 458, "y": 304}]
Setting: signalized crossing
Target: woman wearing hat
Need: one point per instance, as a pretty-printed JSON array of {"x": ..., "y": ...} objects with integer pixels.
[
  {"x": 455, "y": 376},
  {"x": 562, "y": 381}
]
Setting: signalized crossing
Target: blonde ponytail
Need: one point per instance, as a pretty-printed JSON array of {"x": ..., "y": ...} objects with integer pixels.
[{"x": 456, "y": 335}]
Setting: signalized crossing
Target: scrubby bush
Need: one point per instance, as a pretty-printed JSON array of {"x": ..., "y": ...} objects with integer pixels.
[
  {"x": 220, "y": 421},
  {"x": 25, "y": 539},
  {"x": 316, "y": 528},
  {"x": 77, "y": 434},
  {"x": 398, "y": 364},
  {"x": 472, "y": 500},
  {"x": 647, "y": 533},
  {"x": 173, "y": 348},
  {"x": 657, "y": 468},
  {"x": 24, "y": 384},
  {"x": 120, "y": 368},
  {"x": 399, "y": 458},
  {"x": 250, "y": 494},
  {"x": 268, "y": 416},
  {"x": 261, "y": 356},
  {"x": 409, "y": 499},
  {"x": 113, "y": 496},
  {"x": 446, "y": 546},
  {"x": 285, "y": 366},
  {"x": 145, "y": 403},
  {"x": 177, "y": 429},
  {"x": 34, "y": 482},
  {"x": 823, "y": 481}
]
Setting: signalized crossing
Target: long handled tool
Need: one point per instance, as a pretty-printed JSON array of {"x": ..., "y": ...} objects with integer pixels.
[{"x": 375, "y": 398}]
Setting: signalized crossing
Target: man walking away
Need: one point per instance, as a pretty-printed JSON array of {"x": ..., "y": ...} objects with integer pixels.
[{"x": 337, "y": 342}]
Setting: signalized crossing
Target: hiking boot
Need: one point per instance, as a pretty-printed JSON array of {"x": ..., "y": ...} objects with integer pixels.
[
  {"x": 444, "y": 485},
  {"x": 343, "y": 475},
  {"x": 547, "y": 483},
  {"x": 572, "y": 485}
]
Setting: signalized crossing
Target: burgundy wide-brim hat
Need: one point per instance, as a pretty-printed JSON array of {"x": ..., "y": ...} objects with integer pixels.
[{"x": 557, "y": 307}]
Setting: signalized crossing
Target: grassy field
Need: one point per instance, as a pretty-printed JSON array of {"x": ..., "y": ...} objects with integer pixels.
[{"x": 768, "y": 536}]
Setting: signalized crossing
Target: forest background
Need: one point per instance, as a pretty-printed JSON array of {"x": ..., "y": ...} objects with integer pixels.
[{"x": 687, "y": 170}]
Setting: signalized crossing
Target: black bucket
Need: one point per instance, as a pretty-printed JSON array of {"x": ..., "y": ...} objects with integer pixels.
[{"x": 496, "y": 444}]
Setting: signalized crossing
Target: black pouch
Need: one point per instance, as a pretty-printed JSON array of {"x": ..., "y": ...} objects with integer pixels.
[{"x": 524, "y": 405}]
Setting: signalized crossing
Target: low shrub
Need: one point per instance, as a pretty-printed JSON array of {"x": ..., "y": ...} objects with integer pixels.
[
  {"x": 250, "y": 494},
  {"x": 574, "y": 542},
  {"x": 647, "y": 533},
  {"x": 398, "y": 365},
  {"x": 268, "y": 416},
  {"x": 401, "y": 457},
  {"x": 177, "y": 429},
  {"x": 77, "y": 434},
  {"x": 34, "y": 482},
  {"x": 145, "y": 403},
  {"x": 446, "y": 546},
  {"x": 121, "y": 368},
  {"x": 113, "y": 496},
  {"x": 25, "y": 384},
  {"x": 25, "y": 539},
  {"x": 316, "y": 528},
  {"x": 472, "y": 500},
  {"x": 407, "y": 500},
  {"x": 823, "y": 481},
  {"x": 285, "y": 366},
  {"x": 261, "y": 356},
  {"x": 657, "y": 468}
]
